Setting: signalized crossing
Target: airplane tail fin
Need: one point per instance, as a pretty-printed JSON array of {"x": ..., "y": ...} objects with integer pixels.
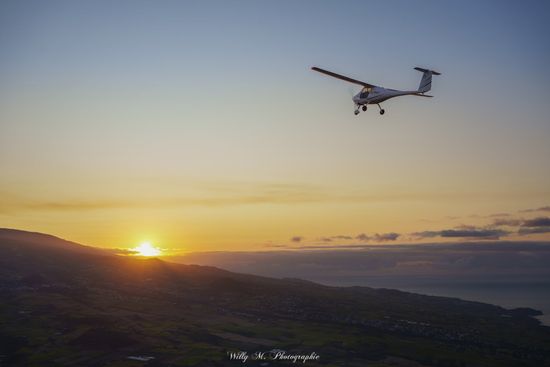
[{"x": 426, "y": 81}]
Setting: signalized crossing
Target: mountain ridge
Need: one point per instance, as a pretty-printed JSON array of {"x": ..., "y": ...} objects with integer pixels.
[{"x": 47, "y": 240}]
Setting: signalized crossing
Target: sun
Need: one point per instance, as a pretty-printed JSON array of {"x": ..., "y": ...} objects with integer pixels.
[{"x": 147, "y": 249}]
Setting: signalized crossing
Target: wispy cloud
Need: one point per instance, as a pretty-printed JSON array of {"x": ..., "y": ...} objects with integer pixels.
[
  {"x": 540, "y": 209},
  {"x": 491, "y": 231},
  {"x": 341, "y": 246},
  {"x": 206, "y": 195},
  {"x": 275, "y": 245},
  {"x": 362, "y": 237},
  {"x": 533, "y": 230},
  {"x": 537, "y": 222},
  {"x": 121, "y": 251},
  {"x": 507, "y": 222},
  {"x": 216, "y": 194},
  {"x": 497, "y": 215},
  {"x": 384, "y": 237},
  {"x": 474, "y": 233},
  {"x": 342, "y": 237},
  {"x": 465, "y": 232},
  {"x": 378, "y": 237},
  {"x": 535, "y": 225},
  {"x": 342, "y": 241},
  {"x": 325, "y": 239}
]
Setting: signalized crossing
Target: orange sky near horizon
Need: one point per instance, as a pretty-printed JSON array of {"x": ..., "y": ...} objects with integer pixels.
[{"x": 240, "y": 216}]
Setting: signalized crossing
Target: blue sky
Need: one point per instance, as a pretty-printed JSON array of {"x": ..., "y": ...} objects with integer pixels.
[
  {"x": 120, "y": 101},
  {"x": 135, "y": 41}
]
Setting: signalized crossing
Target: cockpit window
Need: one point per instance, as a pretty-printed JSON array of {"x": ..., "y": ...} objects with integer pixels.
[{"x": 364, "y": 93}]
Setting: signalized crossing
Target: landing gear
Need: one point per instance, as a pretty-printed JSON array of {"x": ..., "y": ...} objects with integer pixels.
[
  {"x": 364, "y": 108},
  {"x": 382, "y": 111},
  {"x": 356, "y": 112}
]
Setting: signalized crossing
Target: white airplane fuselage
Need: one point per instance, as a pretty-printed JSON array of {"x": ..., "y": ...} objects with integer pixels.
[{"x": 377, "y": 95}]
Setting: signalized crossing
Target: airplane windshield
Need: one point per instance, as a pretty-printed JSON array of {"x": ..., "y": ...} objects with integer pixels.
[{"x": 364, "y": 93}]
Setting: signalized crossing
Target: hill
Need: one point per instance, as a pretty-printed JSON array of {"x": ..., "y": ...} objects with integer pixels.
[{"x": 64, "y": 304}]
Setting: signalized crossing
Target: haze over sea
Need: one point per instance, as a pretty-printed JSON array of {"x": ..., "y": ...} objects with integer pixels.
[
  {"x": 506, "y": 294},
  {"x": 508, "y": 274}
]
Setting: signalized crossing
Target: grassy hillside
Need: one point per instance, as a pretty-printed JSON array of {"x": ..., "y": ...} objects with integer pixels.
[{"x": 63, "y": 304}]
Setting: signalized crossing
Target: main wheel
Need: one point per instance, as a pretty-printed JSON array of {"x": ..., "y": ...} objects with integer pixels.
[
  {"x": 356, "y": 112},
  {"x": 364, "y": 108},
  {"x": 382, "y": 112}
]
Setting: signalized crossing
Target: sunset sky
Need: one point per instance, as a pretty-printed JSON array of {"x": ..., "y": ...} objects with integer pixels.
[{"x": 198, "y": 125}]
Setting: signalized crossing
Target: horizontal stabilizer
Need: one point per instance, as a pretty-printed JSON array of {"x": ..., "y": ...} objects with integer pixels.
[{"x": 427, "y": 70}]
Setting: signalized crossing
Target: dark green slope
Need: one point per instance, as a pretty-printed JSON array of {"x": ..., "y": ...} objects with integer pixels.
[{"x": 67, "y": 304}]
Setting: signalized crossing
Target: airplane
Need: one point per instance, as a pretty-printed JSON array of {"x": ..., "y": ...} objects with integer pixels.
[{"x": 372, "y": 94}]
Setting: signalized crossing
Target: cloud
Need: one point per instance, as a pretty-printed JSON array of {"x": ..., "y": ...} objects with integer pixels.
[
  {"x": 537, "y": 222},
  {"x": 507, "y": 222},
  {"x": 426, "y": 234},
  {"x": 342, "y": 237},
  {"x": 230, "y": 193},
  {"x": 464, "y": 232},
  {"x": 533, "y": 230},
  {"x": 383, "y": 237},
  {"x": 541, "y": 209},
  {"x": 362, "y": 237},
  {"x": 378, "y": 237},
  {"x": 527, "y": 226},
  {"x": 474, "y": 233},
  {"x": 275, "y": 245},
  {"x": 297, "y": 239},
  {"x": 535, "y": 225},
  {"x": 336, "y": 238},
  {"x": 333, "y": 247},
  {"x": 205, "y": 195}
]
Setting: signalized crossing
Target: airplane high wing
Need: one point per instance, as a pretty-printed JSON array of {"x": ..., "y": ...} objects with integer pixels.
[{"x": 342, "y": 77}]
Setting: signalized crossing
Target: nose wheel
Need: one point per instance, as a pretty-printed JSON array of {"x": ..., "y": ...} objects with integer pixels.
[{"x": 359, "y": 108}]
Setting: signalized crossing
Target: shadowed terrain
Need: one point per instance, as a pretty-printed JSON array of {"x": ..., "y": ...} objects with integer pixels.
[{"x": 64, "y": 304}]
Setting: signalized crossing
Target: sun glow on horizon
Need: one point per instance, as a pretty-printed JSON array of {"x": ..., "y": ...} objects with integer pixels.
[{"x": 147, "y": 249}]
